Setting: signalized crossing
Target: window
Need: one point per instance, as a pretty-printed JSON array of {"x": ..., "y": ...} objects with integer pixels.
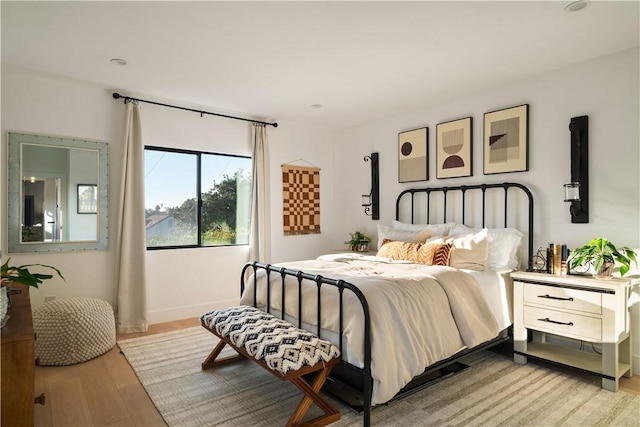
[{"x": 196, "y": 199}]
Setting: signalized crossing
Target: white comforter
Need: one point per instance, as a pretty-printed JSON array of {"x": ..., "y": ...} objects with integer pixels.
[{"x": 419, "y": 314}]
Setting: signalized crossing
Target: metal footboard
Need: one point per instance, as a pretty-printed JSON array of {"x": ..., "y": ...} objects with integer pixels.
[{"x": 319, "y": 281}]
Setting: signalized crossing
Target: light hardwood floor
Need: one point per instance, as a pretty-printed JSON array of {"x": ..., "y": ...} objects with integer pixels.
[
  {"x": 101, "y": 392},
  {"x": 106, "y": 392}
]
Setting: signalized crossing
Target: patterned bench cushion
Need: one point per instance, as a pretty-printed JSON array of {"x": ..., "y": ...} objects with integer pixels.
[{"x": 276, "y": 342}]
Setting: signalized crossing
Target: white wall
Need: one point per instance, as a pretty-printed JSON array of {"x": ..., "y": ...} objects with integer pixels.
[
  {"x": 304, "y": 146},
  {"x": 182, "y": 283},
  {"x": 606, "y": 89},
  {"x": 36, "y": 105}
]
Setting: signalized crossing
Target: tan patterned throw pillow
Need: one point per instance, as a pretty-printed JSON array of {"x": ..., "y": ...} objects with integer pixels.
[
  {"x": 435, "y": 253},
  {"x": 428, "y": 253},
  {"x": 403, "y": 251}
]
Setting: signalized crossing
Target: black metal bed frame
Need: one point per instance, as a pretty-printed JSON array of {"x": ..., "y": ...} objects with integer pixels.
[{"x": 353, "y": 384}]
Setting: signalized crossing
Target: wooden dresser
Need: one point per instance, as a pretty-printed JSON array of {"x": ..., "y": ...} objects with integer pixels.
[{"x": 18, "y": 364}]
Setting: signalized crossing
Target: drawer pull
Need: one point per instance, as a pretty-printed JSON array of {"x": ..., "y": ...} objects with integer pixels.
[
  {"x": 546, "y": 319},
  {"x": 557, "y": 298}
]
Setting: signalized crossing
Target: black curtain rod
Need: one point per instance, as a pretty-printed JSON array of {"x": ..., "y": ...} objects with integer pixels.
[{"x": 128, "y": 98}]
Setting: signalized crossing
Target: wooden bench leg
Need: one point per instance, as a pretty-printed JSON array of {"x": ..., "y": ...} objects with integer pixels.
[
  {"x": 311, "y": 395},
  {"x": 211, "y": 361}
]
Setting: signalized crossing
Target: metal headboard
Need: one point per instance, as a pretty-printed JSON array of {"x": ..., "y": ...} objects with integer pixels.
[{"x": 463, "y": 189}]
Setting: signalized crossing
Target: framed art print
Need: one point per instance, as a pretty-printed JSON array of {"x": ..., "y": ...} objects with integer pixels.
[
  {"x": 453, "y": 148},
  {"x": 413, "y": 162},
  {"x": 87, "y": 198},
  {"x": 506, "y": 140}
]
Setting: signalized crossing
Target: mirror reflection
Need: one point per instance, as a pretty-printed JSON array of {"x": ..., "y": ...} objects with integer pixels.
[
  {"x": 57, "y": 194},
  {"x": 52, "y": 209}
]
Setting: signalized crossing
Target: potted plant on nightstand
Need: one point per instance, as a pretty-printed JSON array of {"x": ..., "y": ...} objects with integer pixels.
[
  {"x": 359, "y": 242},
  {"x": 20, "y": 274},
  {"x": 603, "y": 255}
]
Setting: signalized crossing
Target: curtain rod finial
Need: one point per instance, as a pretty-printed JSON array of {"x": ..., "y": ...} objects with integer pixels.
[
  {"x": 116, "y": 95},
  {"x": 275, "y": 125}
]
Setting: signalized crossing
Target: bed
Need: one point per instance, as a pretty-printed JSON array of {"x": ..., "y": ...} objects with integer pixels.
[{"x": 398, "y": 322}]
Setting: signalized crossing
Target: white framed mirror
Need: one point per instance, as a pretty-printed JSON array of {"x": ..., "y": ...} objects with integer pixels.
[{"x": 57, "y": 198}]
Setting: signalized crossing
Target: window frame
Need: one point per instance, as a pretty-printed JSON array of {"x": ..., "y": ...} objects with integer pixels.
[{"x": 198, "y": 155}]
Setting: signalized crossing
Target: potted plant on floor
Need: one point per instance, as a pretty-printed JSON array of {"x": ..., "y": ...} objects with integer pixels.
[{"x": 603, "y": 255}]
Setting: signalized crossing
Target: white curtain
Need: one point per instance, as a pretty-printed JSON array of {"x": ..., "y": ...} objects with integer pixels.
[
  {"x": 131, "y": 263},
  {"x": 260, "y": 218}
]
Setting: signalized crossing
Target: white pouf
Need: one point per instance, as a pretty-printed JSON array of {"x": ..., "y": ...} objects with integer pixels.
[{"x": 73, "y": 330}]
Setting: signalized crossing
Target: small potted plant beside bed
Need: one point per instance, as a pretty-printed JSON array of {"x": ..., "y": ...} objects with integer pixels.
[
  {"x": 359, "y": 242},
  {"x": 603, "y": 255}
]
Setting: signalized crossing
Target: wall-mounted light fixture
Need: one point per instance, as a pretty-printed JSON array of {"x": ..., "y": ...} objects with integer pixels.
[
  {"x": 576, "y": 192},
  {"x": 371, "y": 201}
]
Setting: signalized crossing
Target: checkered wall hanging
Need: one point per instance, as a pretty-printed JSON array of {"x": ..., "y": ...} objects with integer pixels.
[{"x": 301, "y": 200}]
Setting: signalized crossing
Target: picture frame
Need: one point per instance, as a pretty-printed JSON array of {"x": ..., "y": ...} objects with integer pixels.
[
  {"x": 87, "y": 199},
  {"x": 413, "y": 158},
  {"x": 506, "y": 140},
  {"x": 454, "y": 142}
]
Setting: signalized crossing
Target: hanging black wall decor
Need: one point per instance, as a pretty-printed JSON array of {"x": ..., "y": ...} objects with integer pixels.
[
  {"x": 371, "y": 201},
  {"x": 579, "y": 127}
]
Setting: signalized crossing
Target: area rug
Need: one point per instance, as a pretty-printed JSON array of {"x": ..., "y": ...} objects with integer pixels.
[{"x": 494, "y": 391}]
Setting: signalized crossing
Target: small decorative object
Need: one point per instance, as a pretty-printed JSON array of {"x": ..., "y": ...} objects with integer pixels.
[
  {"x": 413, "y": 162},
  {"x": 603, "y": 255},
  {"x": 359, "y": 242},
  {"x": 19, "y": 274},
  {"x": 453, "y": 148},
  {"x": 506, "y": 134},
  {"x": 539, "y": 261}
]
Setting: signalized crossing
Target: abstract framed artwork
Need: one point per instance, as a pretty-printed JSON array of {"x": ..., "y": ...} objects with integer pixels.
[
  {"x": 453, "y": 148},
  {"x": 506, "y": 140},
  {"x": 413, "y": 162}
]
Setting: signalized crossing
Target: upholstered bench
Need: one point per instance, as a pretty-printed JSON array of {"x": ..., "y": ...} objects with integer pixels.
[
  {"x": 279, "y": 347},
  {"x": 73, "y": 330}
]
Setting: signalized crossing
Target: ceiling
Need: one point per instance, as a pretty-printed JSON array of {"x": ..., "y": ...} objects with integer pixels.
[{"x": 361, "y": 61}]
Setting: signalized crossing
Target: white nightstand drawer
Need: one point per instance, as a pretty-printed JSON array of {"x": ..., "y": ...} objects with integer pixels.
[
  {"x": 567, "y": 324},
  {"x": 563, "y": 298}
]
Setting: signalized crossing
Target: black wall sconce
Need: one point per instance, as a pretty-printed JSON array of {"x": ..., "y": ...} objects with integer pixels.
[
  {"x": 371, "y": 201},
  {"x": 576, "y": 192}
]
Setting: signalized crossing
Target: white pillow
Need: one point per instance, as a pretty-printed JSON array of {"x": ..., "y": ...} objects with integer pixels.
[
  {"x": 386, "y": 232},
  {"x": 469, "y": 252},
  {"x": 503, "y": 245},
  {"x": 434, "y": 229}
]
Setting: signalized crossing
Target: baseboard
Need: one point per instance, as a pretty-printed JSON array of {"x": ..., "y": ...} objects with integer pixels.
[{"x": 187, "y": 312}]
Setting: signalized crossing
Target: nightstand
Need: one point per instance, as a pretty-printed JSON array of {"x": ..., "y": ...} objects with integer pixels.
[{"x": 578, "y": 307}]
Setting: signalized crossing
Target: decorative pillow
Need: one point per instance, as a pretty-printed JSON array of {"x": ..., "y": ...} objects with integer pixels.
[
  {"x": 435, "y": 253},
  {"x": 428, "y": 253},
  {"x": 469, "y": 252},
  {"x": 503, "y": 245},
  {"x": 434, "y": 229},
  {"x": 385, "y": 232},
  {"x": 403, "y": 251}
]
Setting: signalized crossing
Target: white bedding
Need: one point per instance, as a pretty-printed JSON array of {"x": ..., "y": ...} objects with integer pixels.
[{"x": 419, "y": 314}]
